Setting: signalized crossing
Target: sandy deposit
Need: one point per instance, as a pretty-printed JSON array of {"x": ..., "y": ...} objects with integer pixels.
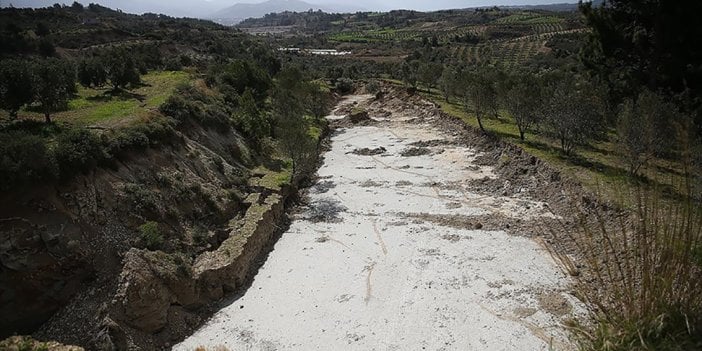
[{"x": 359, "y": 269}]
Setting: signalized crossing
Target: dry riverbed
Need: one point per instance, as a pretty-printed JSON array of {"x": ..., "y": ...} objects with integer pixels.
[{"x": 397, "y": 251}]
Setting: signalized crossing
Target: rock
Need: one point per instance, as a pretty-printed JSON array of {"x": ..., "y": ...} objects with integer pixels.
[
  {"x": 149, "y": 283},
  {"x": 358, "y": 116}
]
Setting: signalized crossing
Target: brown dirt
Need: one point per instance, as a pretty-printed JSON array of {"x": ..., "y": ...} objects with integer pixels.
[
  {"x": 415, "y": 151},
  {"x": 369, "y": 152}
]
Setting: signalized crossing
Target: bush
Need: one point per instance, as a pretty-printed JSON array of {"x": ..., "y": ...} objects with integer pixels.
[
  {"x": 78, "y": 150},
  {"x": 24, "y": 158},
  {"x": 344, "y": 85},
  {"x": 151, "y": 235},
  {"x": 188, "y": 103},
  {"x": 373, "y": 87},
  {"x": 173, "y": 64}
]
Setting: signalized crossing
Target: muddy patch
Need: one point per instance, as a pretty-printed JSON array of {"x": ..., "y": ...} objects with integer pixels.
[
  {"x": 555, "y": 303},
  {"x": 369, "y": 152},
  {"x": 431, "y": 143},
  {"x": 415, "y": 151},
  {"x": 325, "y": 210}
]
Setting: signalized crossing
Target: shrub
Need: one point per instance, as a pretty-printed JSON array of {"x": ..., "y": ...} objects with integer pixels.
[
  {"x": 24, "y": 159},
  {"x": 344, "y": 85},
  {"x": 173, "y": 64},
  {"x": 644, "y": 276},
  {"x": 373, "y": 87},
  {"x": 141, "y": 198},
  {"x": 78, "y": 150},
  {"x": 250, "y": 120},
  {"x": 151, "y": 235},
  {"x": 188, "y": 103}
]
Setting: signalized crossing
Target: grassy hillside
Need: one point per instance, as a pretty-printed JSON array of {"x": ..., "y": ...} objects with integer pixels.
[{"x": 103, "y": 107}]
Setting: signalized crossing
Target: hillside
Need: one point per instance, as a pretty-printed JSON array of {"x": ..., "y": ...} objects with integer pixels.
[
  {"x": 176, "y": 8},
  {"x": 503, "y": 37},
  {"x": 241, "y": 11},
  {"x": 135, "y": 148},
  {"x": 472, "y": 178}
]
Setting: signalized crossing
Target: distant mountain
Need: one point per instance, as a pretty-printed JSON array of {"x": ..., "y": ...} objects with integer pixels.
[
  {"x": 562, "y": 7},
  {"x": 175, "y": 8},
  {"x": 239, "y": 12}
]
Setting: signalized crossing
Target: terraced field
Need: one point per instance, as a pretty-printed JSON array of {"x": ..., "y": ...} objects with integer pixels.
[{"x": 508, "y": 41}]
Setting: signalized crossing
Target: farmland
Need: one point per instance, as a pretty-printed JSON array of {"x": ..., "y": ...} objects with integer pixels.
[{"x": 471, "y": 37}]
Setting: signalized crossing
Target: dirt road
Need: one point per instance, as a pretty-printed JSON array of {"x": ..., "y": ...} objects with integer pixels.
[{"x": 373, "y": 264}]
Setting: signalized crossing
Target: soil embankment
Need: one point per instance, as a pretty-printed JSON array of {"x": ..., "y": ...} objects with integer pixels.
[
  {"x": 418, "y": 234},
  {"x": 132, "y": 256}
]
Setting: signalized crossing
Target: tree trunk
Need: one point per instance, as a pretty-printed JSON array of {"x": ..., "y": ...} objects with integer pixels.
[
  {"x": 521, "y": 133},
  {"x": 480, "y": 122},
  {"x": 293, "y": 171}
]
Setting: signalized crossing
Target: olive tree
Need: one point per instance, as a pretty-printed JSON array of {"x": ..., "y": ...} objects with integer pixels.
[
  {"x": 572, "y": 113},
  {"x": 15, "y": 86},
  {"x": 644, "y": 129},
  {"x": 479, "y": 95},
  {"x": 54, "y": 82},
  {"x": 523, "y": 101},
  {"x": 291, "y": 126}
]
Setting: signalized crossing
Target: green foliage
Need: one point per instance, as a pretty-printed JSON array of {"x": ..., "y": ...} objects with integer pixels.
[
  {"x": 91, "y": 72},
  {"x": 121, "y": 69},
  {"x": 573, "y": 113},
  {"x": 15, "y": 86},
  {"x": 46, "y": 47},
  {"x": 291, "y": 126},
  {"x": 24, "y": 158},
  {"x": 141, "y": 198},
  {"x": 449, "y": 82},
  {"x": 373, "y": 87},
  {"x": 642, "y": 43},
  {"x": 190, "y": 103},
  {"x": 318, "y": 99},
  {"x": 241, "y": 75},
  {"x": 173, "y": 64},
  {"x": 78, "y": 150},
  {"x": 429, "y": 73},
  {"x": 480, "y": 94},
  {"x": 54, "y": 82},
  {"x": 408, "y": 72},
  {"x": 645, "y": 129},
  {"x": 151, "y": 235},
  {"x": 250, "y": 119},
  {"x": 524, "y": 102},
  {"x": 344, "y": 85}
]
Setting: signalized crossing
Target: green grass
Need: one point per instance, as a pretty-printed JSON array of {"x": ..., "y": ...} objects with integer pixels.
[
  {"x": 597, "y": 166},
  {"x": 272, "y": 179},
  {"x": 97, "y": 107}
]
